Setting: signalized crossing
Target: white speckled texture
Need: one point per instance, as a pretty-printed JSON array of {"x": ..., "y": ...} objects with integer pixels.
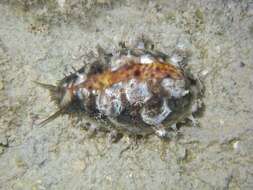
[
  {"x": 137, "y": 92},
  {"x": 110, "y": 102}
]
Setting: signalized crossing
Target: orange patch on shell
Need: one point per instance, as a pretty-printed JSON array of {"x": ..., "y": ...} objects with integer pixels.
[{"x": 142, "y": 72}]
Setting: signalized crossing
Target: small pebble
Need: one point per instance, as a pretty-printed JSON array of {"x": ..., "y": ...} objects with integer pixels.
[
  {"x": 204, "y": 73},
  {"x": 242, "y": 64},
  {"x": 236, "y": 145}
]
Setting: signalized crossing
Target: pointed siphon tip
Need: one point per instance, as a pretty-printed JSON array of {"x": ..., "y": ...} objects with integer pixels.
[
  {"x": 50, "y": 118},
  {"x": 46, "y": 86}
]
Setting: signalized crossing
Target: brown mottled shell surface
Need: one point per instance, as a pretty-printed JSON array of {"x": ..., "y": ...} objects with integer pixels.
[{"x": 138, "y": 92}]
